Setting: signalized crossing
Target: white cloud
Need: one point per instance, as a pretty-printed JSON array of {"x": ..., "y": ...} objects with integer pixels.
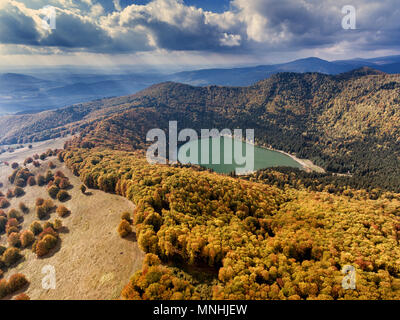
[
  {"x": 96, "y": 10},
  {"x": 231, "y": 40},
  {"x": 249, "y": 26}
]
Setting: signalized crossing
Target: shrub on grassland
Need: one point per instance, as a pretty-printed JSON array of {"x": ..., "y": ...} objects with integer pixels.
[
  {"x": 64, "y": 183},
  {"x": 28, "y": 160},
  {"x": 49, "y": 176},
  {"x": 20, "y": 176},
  {"x": 3, "y": 288},
  {"x": 62, "y": 195},
  {"x": 48, "y": 224},
  {"x": 13, "y": 214},
  {"x": 11, "y": 256},
  {"x": 62, "y": 211},
  {"x": 52, "y": 165},
  {"x": 19, "y": 192},
  {"x": 41, "y": 180},
  {"x": 3, "y": 222},
  {"x": 48, "y": 205},
  {"x": 46, "y": 231},
  {"x": 59, "y": 174},
  {"x": 23, "y": 207},
  {"x": 36, "y": 227},
  {"x": 39, "y": 201},
  {"x": 27, "y": 238},
  {"x": 83, "y": 188},
  {"x": 44, "y": 245},
  {"x": 14, "y": 165},
  {"x": 12, "y": 222},
  {"x": 124, "y": 228},
  {"x": 4, "y": 203},
  {"x": 57, "y": 181},
  {"x": 44, "y": 209},
  {"x": 31, "y": 181},
  {"x": 20, "y": 183},
  {"x": 22, "y": 296},
  {"x": 16, "y": 282},
  {"x": 126, "y": 216},
  {"x": 53, "y": 191},
  {"x": 41, "y": 212},
  {"x": 9, "y": 194},
  {"x": 14, "y": 239},
  {"x": 57, "y": 224},
  {"x": 10, "y": 230}
]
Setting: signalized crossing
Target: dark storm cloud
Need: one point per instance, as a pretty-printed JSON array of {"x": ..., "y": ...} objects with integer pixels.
[
  {"x": 114, "y": 26},
  {"x": 74, "y": 31},
  {"x": 17, "y": 28}
]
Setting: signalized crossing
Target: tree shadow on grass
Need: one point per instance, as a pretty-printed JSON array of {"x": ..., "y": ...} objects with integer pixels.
[
  {"x": 66, "y": 199},
  {"x": 70, "y": 187},
  {"x": 131, "y": 237},
  {"x": 63, "y": 229},
  {"x": 66, "y": 215},
  {"x": 48, "y": 214}
]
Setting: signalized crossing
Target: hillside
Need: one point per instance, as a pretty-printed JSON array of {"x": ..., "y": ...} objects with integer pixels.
[
  {"x": 55, "y": 123},
  {"x": 276, "y": 234},
  {"x": 209, "y": 236},
  {"x": 347, "y": 123}
]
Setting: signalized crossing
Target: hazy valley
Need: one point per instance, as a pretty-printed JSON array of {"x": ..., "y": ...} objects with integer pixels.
[{"x": 51, "y": 88}]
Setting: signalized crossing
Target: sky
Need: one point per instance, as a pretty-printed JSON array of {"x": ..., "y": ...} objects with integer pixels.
[{"x": 182, "y": 34}]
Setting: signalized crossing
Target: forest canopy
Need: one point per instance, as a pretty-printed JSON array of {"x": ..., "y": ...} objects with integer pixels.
[{"x": 213, "y": 236}]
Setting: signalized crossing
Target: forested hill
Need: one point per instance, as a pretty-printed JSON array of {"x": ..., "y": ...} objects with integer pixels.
[{"x": 347, "y": 123}]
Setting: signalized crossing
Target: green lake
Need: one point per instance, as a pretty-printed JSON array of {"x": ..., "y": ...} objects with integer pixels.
[{"x": 225, "y": 157}]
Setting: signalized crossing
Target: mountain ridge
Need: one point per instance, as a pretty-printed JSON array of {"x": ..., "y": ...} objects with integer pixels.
[
  {"x": 343, "y": 123},
  {"x": 63, "y": 88},
  {"x": 346, "y": 123}
]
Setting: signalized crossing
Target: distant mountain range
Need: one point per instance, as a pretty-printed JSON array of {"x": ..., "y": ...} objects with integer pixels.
[
  {"x": 31, "y": 93},
  {"x": 250, "y": 75}
]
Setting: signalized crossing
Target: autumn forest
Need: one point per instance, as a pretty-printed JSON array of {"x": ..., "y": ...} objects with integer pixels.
[{"x": 279, "y": 233}]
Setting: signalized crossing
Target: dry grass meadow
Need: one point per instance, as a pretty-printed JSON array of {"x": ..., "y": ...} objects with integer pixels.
[{"x": 91, "y": 260}]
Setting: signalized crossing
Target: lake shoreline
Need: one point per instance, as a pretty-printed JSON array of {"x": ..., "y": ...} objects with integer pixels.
[
  {"x": 307, "y": 164},
  {"x": 303, "y": 164}
]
